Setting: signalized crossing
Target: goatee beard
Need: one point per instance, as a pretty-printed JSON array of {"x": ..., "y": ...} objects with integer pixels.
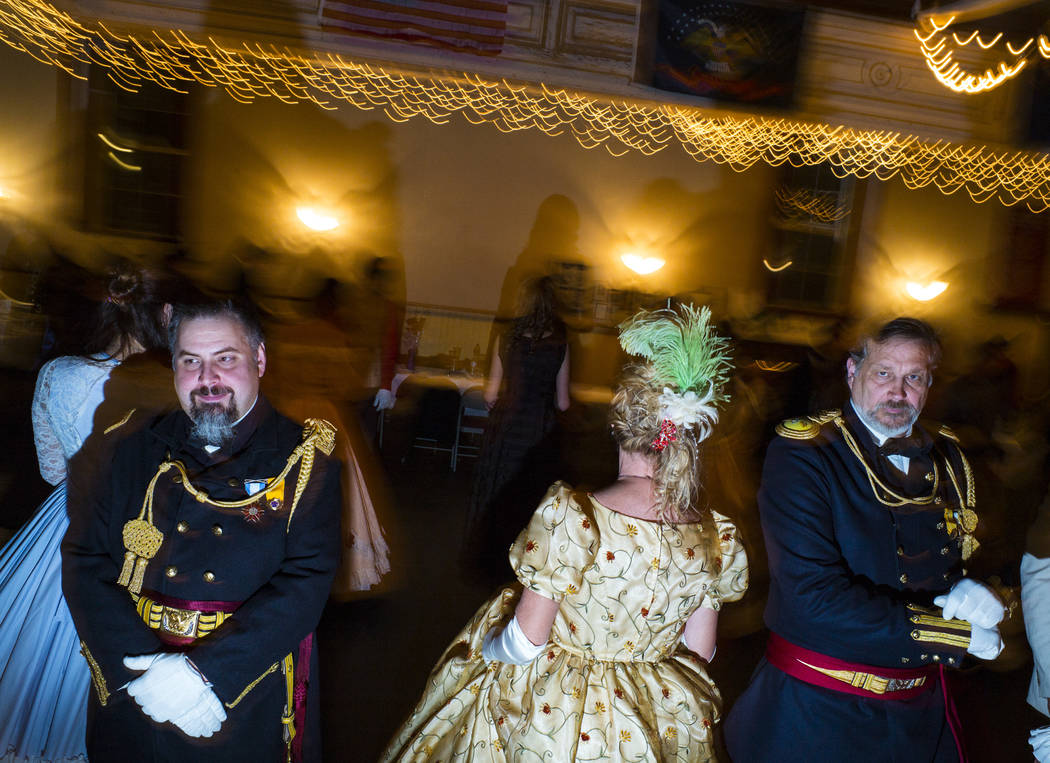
[{"x": 213, "y": 422}]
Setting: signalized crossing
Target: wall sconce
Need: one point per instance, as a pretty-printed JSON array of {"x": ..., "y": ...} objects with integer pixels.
[
  {"x": 643, "y": 266},
  {"x": 925, "y": 292},
  {"x": 316, "y": 219}
]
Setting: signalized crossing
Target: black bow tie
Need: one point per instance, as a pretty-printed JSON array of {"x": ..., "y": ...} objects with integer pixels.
[{"x": 909, "y": 447}]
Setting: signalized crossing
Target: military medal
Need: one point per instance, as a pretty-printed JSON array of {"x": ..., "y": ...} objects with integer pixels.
[{"x": 252, "y": 513}]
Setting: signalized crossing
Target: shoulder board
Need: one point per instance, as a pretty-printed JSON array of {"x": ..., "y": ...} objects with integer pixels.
[
  {"x": 805, "y": 428},
  {"x": 947, "y": 432},
  {"x": 117, "y": 425}
]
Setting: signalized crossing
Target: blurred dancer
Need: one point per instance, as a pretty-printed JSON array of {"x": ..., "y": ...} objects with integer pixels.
[
  {"x": 43, "y": 677},
  {"x": 528, "y": 383}
]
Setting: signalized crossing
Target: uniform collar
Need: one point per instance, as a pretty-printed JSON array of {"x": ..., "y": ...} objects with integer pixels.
[
  {"x": 174, "y": 431},
  {"x": 872, "y": 441}
]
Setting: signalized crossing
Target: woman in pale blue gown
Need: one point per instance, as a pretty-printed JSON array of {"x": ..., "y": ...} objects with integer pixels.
[{"x": 43, "y": 677}]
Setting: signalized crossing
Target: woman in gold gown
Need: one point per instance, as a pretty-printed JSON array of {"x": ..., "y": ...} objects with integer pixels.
[{"x": 599, "y": 651}]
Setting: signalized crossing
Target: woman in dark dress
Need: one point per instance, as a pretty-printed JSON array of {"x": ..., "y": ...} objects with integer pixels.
[{"x": 528, "y": 383}]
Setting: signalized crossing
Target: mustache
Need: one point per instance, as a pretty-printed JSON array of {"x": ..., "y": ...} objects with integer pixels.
[
  {"x": 215, "y": 389},
  {"x": 897, "y": 405}
]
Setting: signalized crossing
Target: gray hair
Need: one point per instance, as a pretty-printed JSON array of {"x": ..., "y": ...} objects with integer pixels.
[
  {"x": 907, "y": 329},
  {"x": 253, "y": 333}
]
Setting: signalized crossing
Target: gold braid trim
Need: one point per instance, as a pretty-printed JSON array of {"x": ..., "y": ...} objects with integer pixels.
[
  {"x": 119, "y": 424},
  {"x": 97, "y": 679},
  {"x": 273, "y": 668},
  {"x": 893, "y": 499},
  {"x": 142, "y": 539}
]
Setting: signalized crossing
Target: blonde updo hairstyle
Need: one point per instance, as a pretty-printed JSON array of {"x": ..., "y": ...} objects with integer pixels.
[{"x": 636, "y": 418}]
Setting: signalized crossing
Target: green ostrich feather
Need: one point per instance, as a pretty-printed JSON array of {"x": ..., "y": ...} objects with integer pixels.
[{"x": 681, "y": 344}]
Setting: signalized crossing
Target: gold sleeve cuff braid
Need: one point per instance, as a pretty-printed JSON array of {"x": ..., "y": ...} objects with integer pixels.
[
  {"x": 97, "y": 679},
  {"x": 931, "y": 628}
]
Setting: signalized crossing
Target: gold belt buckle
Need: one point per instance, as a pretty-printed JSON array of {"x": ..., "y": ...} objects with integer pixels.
[{"x": 179, "y": 622}]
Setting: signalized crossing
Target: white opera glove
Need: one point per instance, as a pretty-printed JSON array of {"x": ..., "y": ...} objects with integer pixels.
[
  {"x": 1040, "y": 741},
  {"x": 384, "y": 400},
  {"x": 985, "y": 643},
  {"x": 510, "y": 645},
  {"x": 172, "y": 690},
  {"x": 971, "y": 601}
]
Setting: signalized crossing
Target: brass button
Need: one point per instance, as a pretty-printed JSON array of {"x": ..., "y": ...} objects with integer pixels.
[
  {"x": 171, "y": 571},
  {"x": 176, "y": 478},
  {"x": 209, "y": 576},
  {"x": 905, "y": 660},
  {"x": 904, "y": 578},
  {"x": 182, "y": 527},
  {"x": 914, "y": 618},
  {"x": 900, "y": 550},
  {"x": 944, "y": 551},
  {"x": 936, "y": 658},
  {"x": 946, "y": 576},
  {"x": 915, "y": 635},
  {"x": 924, "y": 657},
  {"x": 938, "y": 500},
  {"x": 216, "y": 529},
  {"x": 929, "y": 477},
  {"x": 951, "y": 660},
  {"x": 232, "y": 482},
  {"x": 940, "y": 525}
]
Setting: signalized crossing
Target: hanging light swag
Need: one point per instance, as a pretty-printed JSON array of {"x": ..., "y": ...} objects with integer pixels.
[
  {"x": 937, "y": 48},
  {"x": 173, "y": 60}
]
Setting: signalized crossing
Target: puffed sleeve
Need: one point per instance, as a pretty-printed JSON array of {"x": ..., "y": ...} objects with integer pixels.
[
  {"x": 731, "y": 566},
  {"x": 559, "y": 543}
]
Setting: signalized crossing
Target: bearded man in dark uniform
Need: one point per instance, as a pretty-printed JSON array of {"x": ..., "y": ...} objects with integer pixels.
[
  {"x": 198, "y": 560},
  {"x": 869, "y": 518}
]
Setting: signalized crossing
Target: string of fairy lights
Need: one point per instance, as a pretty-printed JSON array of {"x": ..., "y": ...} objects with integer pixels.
[
  {"x": 252, "y": 70},
  {"x": 795, "y": 203},
  {"x": 937, "y": 48}
]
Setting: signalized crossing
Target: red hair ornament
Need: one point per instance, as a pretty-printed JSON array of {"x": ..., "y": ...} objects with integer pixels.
[{"x": 668, "y": 433}]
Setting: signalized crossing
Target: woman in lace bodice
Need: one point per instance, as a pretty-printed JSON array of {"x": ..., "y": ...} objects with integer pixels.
[{"x": 43, "y": 677}]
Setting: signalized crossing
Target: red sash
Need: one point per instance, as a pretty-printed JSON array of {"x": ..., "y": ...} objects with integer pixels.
[
  {"x": 900, "y": 683},
  {"x": 806, "y": 665}
]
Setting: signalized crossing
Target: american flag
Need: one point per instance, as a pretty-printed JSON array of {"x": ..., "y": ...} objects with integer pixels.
[{"x": 471, "y": 26}]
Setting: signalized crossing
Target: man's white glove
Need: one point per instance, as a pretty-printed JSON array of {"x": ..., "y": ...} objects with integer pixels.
[
  {"x": 971, "y": 601},
  {"x": 985, "y": 643},
  {"x": 1040, "y": 741},
  {"x": 384, "y": 400},
  {"x": 510, "y": 645},
  {"x": 172, "y": 690}
]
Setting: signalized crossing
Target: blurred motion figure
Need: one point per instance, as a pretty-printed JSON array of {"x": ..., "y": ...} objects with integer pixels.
[{"x": 43, "y": 677}]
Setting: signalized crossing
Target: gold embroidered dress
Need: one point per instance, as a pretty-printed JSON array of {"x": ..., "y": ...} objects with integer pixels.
[{"x": 615, "y": 683}]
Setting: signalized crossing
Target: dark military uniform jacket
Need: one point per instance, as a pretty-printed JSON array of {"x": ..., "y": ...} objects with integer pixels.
[
  {"x": 274, "y": 574},
  {"x": 857, "y": 551}
]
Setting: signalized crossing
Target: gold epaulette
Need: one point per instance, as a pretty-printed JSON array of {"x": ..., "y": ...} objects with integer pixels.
[
  {"x": 805, "y": 428},
  {"x": 947, "y": 432},
  {"x": 119, "y": 424}
]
